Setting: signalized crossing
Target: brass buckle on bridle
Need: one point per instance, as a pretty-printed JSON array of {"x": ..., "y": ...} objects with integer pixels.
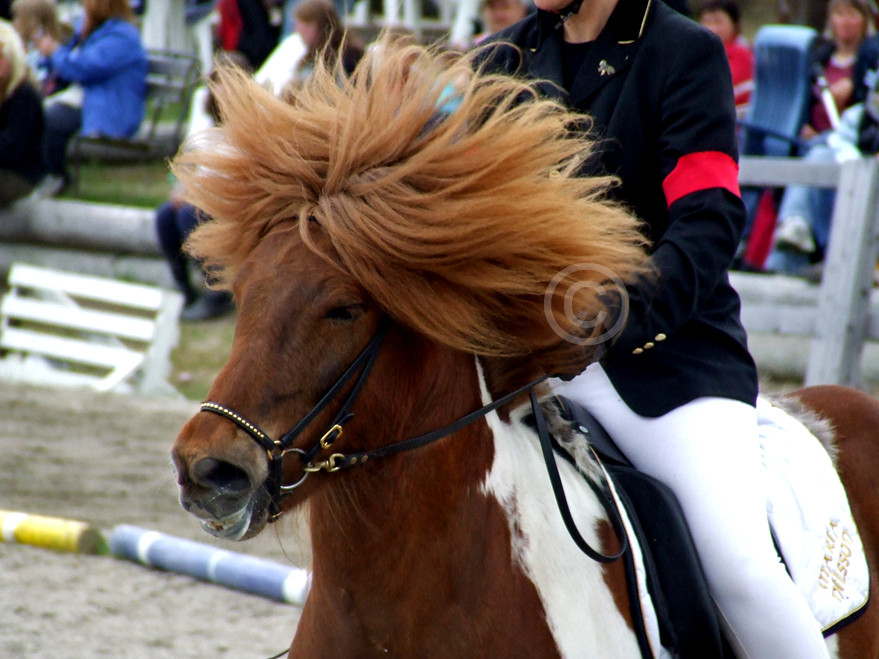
[
  {"x": 328, "y": 465},
  {"x": 330, "y": 436}
]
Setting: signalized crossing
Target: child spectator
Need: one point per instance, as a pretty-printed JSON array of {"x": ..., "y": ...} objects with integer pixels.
[
  {"x": 319, "y": 25},
  {"x": 35, "y": 18},
  {"x": 723, "y": 18},
  {"x": 21, "y": 121},
  {"x": 803, "y": 232},
  {"x": 107, "y": 63}
]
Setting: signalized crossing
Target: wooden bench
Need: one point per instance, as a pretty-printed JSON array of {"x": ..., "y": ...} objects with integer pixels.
[
  {"x": 61, "y": 328},
  {"x": 171, "y": 78}
]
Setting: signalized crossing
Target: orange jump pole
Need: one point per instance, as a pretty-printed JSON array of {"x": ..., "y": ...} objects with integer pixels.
[{"x": 51, "y": 532}]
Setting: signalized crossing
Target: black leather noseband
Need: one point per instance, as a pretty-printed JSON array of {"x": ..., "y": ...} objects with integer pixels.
[{"x": 278, "y": 448}]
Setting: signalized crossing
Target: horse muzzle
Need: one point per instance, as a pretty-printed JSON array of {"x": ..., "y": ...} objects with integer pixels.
[{"x": 223, "y": 497}]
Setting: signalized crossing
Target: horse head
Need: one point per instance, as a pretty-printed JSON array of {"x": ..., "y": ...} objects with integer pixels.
[
  {"x": 300, "y": 324},
  {"x": 417, "y": 190}
]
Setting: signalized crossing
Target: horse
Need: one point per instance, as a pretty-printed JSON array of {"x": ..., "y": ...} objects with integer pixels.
[{"x": 402, "y": 298}]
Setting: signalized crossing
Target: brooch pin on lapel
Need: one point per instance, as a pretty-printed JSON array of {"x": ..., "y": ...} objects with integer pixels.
[{"x": 605, "y": 69}]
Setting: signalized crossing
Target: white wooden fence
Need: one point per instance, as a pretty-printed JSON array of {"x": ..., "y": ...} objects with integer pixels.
[{"x": 842, "y": 318}]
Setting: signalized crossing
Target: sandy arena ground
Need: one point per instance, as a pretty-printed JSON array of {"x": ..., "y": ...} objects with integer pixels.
[{"x": 104, "y": 459}]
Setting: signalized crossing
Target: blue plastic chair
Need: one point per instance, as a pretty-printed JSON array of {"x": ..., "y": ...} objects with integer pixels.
[{"x": 783, "y": 61}]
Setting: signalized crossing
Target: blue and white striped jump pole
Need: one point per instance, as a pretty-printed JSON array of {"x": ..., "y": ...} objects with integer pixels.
[{"x": 247, "y": 573}]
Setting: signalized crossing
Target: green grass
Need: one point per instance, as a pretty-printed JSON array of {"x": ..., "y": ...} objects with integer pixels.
[
  {"x": 200, "y": 354},
  {"x": 143, "y": 184}
]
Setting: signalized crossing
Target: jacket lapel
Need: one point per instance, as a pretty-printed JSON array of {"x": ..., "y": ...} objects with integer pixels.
[
  {"x": 606, "y": 60},
  {"x": 608, "y": 57},
  {"x": 544, "y": 64}
]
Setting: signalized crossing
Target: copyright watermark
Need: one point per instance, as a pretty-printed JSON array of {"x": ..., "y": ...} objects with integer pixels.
[{"x": 597, "y": 281}]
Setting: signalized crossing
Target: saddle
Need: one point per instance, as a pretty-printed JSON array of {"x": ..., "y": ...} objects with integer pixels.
[
  {"x": 689, "y": 625},
  {"x": 688, "y": 620}
]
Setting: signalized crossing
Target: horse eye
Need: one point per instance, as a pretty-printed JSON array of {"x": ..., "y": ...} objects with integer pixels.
[{"x": 345, "y": 314}]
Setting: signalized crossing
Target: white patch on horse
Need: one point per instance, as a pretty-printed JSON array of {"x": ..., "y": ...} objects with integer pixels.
[
  {"x": 833, "y": 646},
  {"x": 580, "y": 609}
]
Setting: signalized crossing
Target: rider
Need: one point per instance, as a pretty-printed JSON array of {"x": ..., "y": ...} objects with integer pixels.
[{"x": 677, "y": 388}]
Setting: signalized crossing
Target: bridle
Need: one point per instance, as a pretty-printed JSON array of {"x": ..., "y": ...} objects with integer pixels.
[{"x": 277, "y": 449}]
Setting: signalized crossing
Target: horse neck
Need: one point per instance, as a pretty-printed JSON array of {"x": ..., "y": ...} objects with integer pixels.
[
  {"x": 453, "y": 527},
  {"x": 376, "y": 513}
]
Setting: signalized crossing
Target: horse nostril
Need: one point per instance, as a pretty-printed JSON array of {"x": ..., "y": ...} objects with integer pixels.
[{"x": 221, "y": 476}]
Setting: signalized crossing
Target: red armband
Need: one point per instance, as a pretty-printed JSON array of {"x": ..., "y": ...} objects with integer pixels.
[{"x": 701, "y": 171}]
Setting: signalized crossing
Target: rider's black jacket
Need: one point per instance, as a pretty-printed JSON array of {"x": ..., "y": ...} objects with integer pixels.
[{"x": 659, "y": 90}]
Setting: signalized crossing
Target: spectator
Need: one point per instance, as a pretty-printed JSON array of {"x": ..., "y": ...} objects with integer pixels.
[
  {"x": 498, "y": 14},
  {"x": 319, "y": 33},
  {"x": 804, "y": 215},
  {"x": 32, "y": 19},
  {"x": 106, "y": 65},
  {"x": 21, "y": 120},
  {"x": 849, "y": 22},
  {"x": 258, "y": 33},
  {"x": 228, "y": 30},
  {"x": 803, "y": 232},
  {"x": 319, "y": 25},
  {"x": 723, "y": 18},
  {"x": 175, "y": 219}
]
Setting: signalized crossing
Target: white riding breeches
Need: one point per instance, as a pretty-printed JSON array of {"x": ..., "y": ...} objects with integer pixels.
[{"x": 708, "y": 453}]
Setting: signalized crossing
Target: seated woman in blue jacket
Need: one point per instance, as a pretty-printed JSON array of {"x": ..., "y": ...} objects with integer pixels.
[{"x": 107, "y": 62}]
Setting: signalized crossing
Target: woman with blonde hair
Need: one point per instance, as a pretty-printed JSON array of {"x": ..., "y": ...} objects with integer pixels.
[
  {"x": 21, "y": 120},
  {"x": 32, "y": 19},
  {"x": 107, "y": 60}
]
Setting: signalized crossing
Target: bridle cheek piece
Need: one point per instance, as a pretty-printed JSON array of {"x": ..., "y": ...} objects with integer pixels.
[{"x": 277, "y": 449}]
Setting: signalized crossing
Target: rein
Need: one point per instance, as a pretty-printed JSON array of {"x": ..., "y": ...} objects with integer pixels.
[{"x": 276, "y": 449}]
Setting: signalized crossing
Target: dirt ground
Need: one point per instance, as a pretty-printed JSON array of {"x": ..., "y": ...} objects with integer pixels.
[{"x": 104, "y": 459}]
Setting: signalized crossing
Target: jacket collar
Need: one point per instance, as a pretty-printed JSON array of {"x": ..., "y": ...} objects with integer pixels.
[
  {"x": 607, "y": 57},
  {"x": 626, "y": 23}
]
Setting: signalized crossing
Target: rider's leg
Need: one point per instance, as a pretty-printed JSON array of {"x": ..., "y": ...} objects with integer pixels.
[{"x": 708, "y": 453}]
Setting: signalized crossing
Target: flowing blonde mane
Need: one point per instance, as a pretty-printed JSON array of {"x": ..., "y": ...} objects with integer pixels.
[{"x": 451, "y": 196}]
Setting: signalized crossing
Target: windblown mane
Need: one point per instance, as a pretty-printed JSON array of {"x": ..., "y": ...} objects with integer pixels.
[{"x": 450, "y": 195}]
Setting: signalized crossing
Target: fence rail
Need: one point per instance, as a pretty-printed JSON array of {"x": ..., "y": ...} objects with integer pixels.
[{"x": 841, "y": 319}]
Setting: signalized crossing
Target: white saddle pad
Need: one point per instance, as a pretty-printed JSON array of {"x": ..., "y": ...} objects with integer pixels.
[{"x": 811, "y": 518}]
